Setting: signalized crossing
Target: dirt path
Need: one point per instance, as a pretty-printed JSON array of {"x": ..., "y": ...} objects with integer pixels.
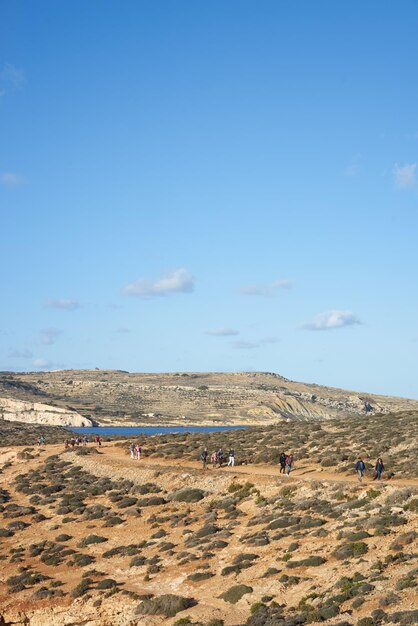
[{"x": 115, "y": 457}]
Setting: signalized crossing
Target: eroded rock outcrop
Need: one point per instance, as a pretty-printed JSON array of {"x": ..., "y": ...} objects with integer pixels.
[{"x": 38, "y": 413}]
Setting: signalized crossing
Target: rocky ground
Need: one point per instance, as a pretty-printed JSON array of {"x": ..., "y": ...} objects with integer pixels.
[
  {"x": 116, "y": 397},
  {"x": 95, "y": 538}
]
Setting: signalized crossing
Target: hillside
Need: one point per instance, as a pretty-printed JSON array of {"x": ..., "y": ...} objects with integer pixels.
[
  {"x": 94, "y": 537},
  {"x": 116, "y": 397}
]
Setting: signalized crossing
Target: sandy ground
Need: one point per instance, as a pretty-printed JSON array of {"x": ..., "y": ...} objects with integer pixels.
[{"x": 113, "y": 461}]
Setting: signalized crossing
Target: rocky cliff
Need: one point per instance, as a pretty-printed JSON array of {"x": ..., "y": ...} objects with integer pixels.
[{"x": 37, "y": 413}]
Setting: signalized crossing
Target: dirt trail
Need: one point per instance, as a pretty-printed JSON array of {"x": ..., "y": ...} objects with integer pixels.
[{"x": 115, "y": 457}]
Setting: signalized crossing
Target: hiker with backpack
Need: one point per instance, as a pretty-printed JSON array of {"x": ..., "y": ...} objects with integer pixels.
[
  {"x": 231, "y": 457},
  {"x": 360, "y": 467},
  {"x": 282, "y": 461}
]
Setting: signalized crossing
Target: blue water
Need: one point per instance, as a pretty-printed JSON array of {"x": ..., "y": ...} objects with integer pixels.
[{"x": 152, "y": 430}]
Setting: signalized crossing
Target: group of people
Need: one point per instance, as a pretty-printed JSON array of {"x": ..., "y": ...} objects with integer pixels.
[
  {"x": 41, "y": 441},
  {"x": 76, "y": 441},
  {"x": 81, "y": 441},
  {"x": 217, "y": 458},
  {"x": 135, "y": 450},
  {"x": 361, "y": 468},
  {"x": 286, "y": 462}
]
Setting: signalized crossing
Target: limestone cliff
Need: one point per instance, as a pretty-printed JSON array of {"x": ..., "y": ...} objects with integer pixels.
[{"x": 37, "y": 413}]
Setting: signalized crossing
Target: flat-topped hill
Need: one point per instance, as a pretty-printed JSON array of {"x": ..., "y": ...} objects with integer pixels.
[{"x": 118, "y": 397}]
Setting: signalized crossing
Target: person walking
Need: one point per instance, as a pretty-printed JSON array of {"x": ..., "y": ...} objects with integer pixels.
[
  {"x": 360, "y": 467},
  {"x": 282, "y": 461},
  {"x": 289, "y": 464},
  {"x": 214, "y": 459},
  {"x": 204, "y": 458},
  {"x": 231, "y": 457},
  {"x": 220, "y": 457},
  {"x": 138, "y": 452},
  {"x": 132, "y": 450},
  {"x": 379, "y": 468}
]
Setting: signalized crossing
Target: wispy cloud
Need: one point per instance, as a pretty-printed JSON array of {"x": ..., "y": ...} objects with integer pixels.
[
  {"x": 269, "y": 340},
  {"x": 20, "y": 354},
  {"x": 11, "y": 179},
  {"x": 50, "y": 335},
  {"x": 62, "y": 303},
  {"x": 122, "y": 330},
  {"x": 222, "y": 332},
  {"x": 42, "y": 364},
  {"x": 266, "y": 290},
  {"x": 405, "y": 176},
  {"x": 332, "y": 319},
  {"x": 11, "y": 78},
  {"x": 176, "y": 281},
  {"x": 245, "y": 345}
]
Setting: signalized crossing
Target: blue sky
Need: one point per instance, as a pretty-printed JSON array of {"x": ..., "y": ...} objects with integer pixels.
[{"x": 199, "y": 186}]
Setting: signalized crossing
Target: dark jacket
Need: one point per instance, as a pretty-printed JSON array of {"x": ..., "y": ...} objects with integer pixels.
[{"x": 360, "y": 466}]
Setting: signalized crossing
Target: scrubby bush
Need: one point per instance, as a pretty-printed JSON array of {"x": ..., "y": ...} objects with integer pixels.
[
  {"x": 235, "y": 593},
  {"x": 188, "y": 495},
  {"x": 197, "y": 576},
  {"x": 168, "y": 605},
  {"x": 91, "y": 539},
  {"x": 349, "y": 550}
]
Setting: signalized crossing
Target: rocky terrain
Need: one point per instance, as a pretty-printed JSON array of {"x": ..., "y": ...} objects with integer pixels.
[
  {"x": 38, "y": 413},
  {"x": 92, "y": 537},
  {"x": 116, "y": 397}
]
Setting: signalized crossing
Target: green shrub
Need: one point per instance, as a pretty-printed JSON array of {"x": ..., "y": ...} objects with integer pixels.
[
  {"x": 107, "y": 583},
  {"x": 188, "y": 495},
  {"x": 235, "y": 593},
  {"x": 413, "y": 505},
  {"x": 349, "y": 550},
  {"x": 312, "y": 561},
  {"x": 197, "y": 576},
  {"x": 91, "y": 539},
  {"x": 168, "y": 605}
]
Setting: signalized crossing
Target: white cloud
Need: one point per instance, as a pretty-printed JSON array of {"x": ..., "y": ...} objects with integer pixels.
[
  {"x": 62, "y": 303},
  {"x": 50, "y": 335},
  {"x": 405, "y": 176},
  {"x": 122, "y": 330},
  {"x": 332, "y": 319},
  {"x": 222, "y": 332},
  {"x": 245, "y": 345},
  {"x": 176, "y": 281},
  {"x": 11, "y": 179},
  {"x": 266, "y": 290},
  {"x": 42, "y": 363},
  {"x": 20, "y": 354}
]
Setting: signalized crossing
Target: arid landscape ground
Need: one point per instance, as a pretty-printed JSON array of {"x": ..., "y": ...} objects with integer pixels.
[{"x": 93, "y": 537}]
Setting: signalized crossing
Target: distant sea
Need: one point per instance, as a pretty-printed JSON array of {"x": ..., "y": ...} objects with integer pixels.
[{"x": 152, "y": 430}]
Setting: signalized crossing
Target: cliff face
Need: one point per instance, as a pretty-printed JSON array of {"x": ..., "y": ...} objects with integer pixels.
[{"x": 37, "y": 413}]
